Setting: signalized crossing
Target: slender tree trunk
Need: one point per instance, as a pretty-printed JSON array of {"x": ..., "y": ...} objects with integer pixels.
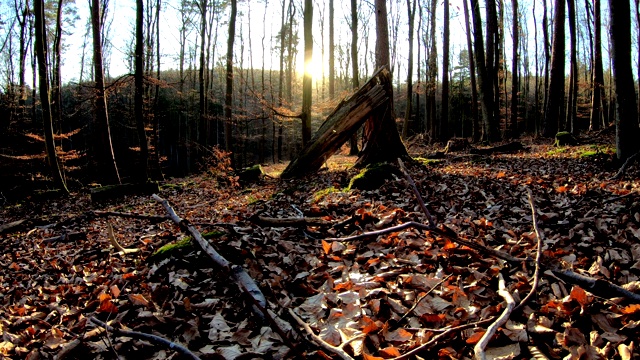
[
  {"x": 485, "y": 89},
  {"x": 599, "y": 110},
  {"x": 228, "y": 98},
  {"x": 444, "y": 112},
  {"x": 202, "y": 127},
  {"x": 355, "y": 80},
  {"x": 41, "y": 53},
  {"x": 23, "y": 14},
  {"x": 570, "y": 124},
  {"x": 411, "y": 12},
  {"x": 307, "y": 80},
  {"x": 638, "y": 41},
  {"x": 472, "y": 70},
  {"x": 553, "y": 116},
  {"x": 514, "y": 72},
  {"x": 56, "y": 93},
  {"x": 492, "y": 91},
  {"x": 433, "y": 74},
  {"x": 139, "y": 101},
  {"x": 547, "y": 58},
  {"x": 332, "y": 59},
  {"x": 627, "y": 130},
  {"x": 105, "y": 158}
]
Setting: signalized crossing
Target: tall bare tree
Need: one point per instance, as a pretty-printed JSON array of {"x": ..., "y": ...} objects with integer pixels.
[
  {"x": 572, "y": 102},
  {"x": 355, "y": 80},
  {"x": 599, "y": 108},
  {"x": 485, "y": 87},
  {"x": 411, "y": 13},
  {"x": 444, "y": 112},
  {"x": 627, "y": 130},
  {"x": 138, "y": 98},
  {"x": 472, "y": 70},
  {"x": 228, "y": 97},
  {"x": 103, "y": 148},
  {"x": 43, "y": 75},
  {"x": 553, "y": 115},
  {"x": 332, "y": 58},
  {"x": 305, "y": 115},
  {"x": 513, "y": 123}
]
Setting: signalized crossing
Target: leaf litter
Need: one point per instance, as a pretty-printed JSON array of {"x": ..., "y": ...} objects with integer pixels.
[{"x": 408, "y": 293}]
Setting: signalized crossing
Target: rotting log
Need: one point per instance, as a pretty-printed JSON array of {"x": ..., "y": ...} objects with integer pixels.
[
  {"x": 344, "y": 121},
  {"x": 111, "y": 192},
  {"x": 511, "y": 147}
]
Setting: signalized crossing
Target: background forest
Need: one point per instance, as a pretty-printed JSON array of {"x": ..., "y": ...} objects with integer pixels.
[{"x": 134, "y": 91}]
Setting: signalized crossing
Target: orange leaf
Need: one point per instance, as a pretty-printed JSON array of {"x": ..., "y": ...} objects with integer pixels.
[
  {"x": 104, "y": 297},
  {"x": 14, "y": 266},
  {"x": 578, "y": 294},
  {"x": 107, "y": 306},
  {"x": 326, "y": 246},
  {"x": 473, "y": 339},
  {"x": 562, "y": 189},
  {"x": 344, "y": 286},
  {"x": 138, "y": 299},
  {"x": 128, "y": 276},
  {"x": 390, "y": 351},
  {"x": 449, "y": 245},
  {"x": 501, "y": 174},
  {"x": 366, "y": 356},
  {"x": 115, "y": 291},
  {"x": 369, "y": 325},
  {"x": 631, "y": 309}
]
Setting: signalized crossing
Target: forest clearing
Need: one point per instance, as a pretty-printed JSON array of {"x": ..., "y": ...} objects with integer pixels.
[
  {"x": 407, "y": 293},
  {"x": 219, "y": 197}
]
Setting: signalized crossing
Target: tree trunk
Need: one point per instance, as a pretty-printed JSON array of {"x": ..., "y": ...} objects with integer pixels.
[
  {"x": 472, "y": 70},
  {"x": 305, "y": 115},
  {"x": 627, "y": 130},
  {"x": 228, "y": 97},
  {"x": 553, "y": 116},
  {"x": 202, "y": 127},
  {"x": 332, "y": 45},
  {"x": 444, "y": 112},
  {"x": 41, "y": 53},
  {"x": 381, "y": 138},
  {"x": 430, "y": 105},
  {"x": 103, "y": 148},
  {"x": 139, "y": 68},
  {"x": 492, "y": 89},
  {"x": 56, "y": 91},
  {"x": 547, "y": 58},
  {"x": 570, "y": 124},
  {"x": 485, "y": 89},
  {"x": 514, "y": 72},
  {"x": 411, "y": 12},
  {"x": 599, "y": 109},
  {"x": 355, "y": 80}
]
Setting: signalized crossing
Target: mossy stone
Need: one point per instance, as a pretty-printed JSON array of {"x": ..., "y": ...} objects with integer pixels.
[
  {"x": 373, "y": 176},
  {"x": 564, "y": 138}
]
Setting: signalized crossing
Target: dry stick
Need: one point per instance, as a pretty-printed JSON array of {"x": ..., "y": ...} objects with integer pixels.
[
  {"x": 446, "y": 233},
  {"x": 536, "y": 273},
  {"x": 338, "y": 350},
  {"x": 597, "y": 287},
  {"x": 415, "y": 305},
  {"x": 417, "y": 193},
  {"x": 150, "y": 337},
  {"x": 440, "y": 336},
  {"x": 246, "y": 284},
  {"x": 622, "y": 170},
  {"x": 158, "y": 218},
  {"x": 484, "y": 341}
]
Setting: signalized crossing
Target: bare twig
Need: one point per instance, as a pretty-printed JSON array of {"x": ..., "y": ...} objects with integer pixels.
[
  {"x": 416, "y": 193},
  {"x": 536, "y": 273},
  {"x": 445, "y": 232},
  {"x": 338, "y": 350},
  {"x": 480, "y": 347},
  {"x": 150, "y": 337},
  {"x": 598, "y": 287},
  {"x": 624, "y": 166},
  {"x": 440, "y": 336},
  {"x": 423, "y": 296},
  {"x": 155, "y": 218}
]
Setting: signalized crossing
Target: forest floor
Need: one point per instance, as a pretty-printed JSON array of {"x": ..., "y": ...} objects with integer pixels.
[{"x": 411, "y": 292}]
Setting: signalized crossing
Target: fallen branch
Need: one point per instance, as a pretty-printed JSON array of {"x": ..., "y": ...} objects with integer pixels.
[
  {"x": 67, "y": 236},
  {"x": 598, "y": 287},
  {"x": 245, "y": 283},
  {"x": 422, "y": 297},
  {"x": 338, "y": 350},
  {"x": 416, "y": 193},
  {"x": 445, "y": 232},
  {"x": 624, "y": 166},
  {"x": 150, "y": 337},
  {"x": 155, "y": 218},
  {"x": 436, "y": 338},
  {"x": 536, "y": 273},
  {"x": 484, "y": 341},
  {"x": 289, "y": 222}
]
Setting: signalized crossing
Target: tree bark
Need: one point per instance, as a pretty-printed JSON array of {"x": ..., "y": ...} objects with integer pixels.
[
  {"x": 103, "y": 148},
  {"x": 514, "y": 73},
  {"x": 228, "y": 97},
  {"x": 599, "y": 109},
  {"x": 139, "y": 101},
  {"x": 305, "y": 115},
  {"x": 627, "y": 130},
  {"x": 202, "y": 127},
  {"x": 553, "y": 116},
  {"x": 472, "y": 70},
  {"x": 444, "y": 112},
  {"x": 355, "y": 80},
  {"x": 485, "y": 89},
  {"x": 411, "y": 12},
  {"x": 570, "y": 124},
  {"x": 41, "y": 54},
  {"x": 332, "y": 45}
]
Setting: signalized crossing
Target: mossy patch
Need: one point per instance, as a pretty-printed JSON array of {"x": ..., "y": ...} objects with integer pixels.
[
  {"x": 427, "y": 162},
  {"x": 320, "y": 194},
  {"x": 564, "y": 138},
  {"x": 557, "y": 151},
  {"x": 169, "y": 250},
  {"x": 373, "y": 176},
  {"x": 251, "y": 174}
]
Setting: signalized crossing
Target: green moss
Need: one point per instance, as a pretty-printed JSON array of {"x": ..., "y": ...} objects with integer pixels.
[
  {"x": 427, "y": 162},
  {"x": 251, "y": 174},
  {"x": 556, "y": 151},
  {"x": 373, "y": 176},
  {"x": 318, "y": 195},
  {"x": 564, "y": 138},
  {"x": 185, "y": 243}
]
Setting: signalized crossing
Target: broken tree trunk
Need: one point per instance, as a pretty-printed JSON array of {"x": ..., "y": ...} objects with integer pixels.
[{"x": 371, "y": 103}]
